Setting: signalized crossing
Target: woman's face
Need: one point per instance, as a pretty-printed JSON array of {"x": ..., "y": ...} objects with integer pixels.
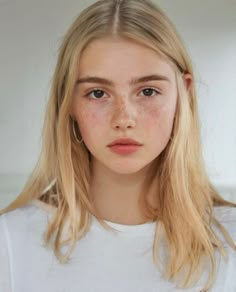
[{"x": 110, "y": 102}]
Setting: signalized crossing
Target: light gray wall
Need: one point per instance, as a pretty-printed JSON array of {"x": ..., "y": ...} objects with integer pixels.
[{"x": 30, "y": 34}]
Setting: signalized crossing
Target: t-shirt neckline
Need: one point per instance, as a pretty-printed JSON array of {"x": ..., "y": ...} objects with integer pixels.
[{"x": 127, "y": 228}]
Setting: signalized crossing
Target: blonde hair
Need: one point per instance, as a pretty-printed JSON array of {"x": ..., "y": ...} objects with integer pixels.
[{"x": 184, "y": 193}]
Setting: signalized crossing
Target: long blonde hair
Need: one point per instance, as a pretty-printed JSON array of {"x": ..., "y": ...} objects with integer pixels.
[{"x": 184, "y": 193}]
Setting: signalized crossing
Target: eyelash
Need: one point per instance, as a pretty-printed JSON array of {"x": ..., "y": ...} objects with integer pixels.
[{"x": 97, "y": 89}]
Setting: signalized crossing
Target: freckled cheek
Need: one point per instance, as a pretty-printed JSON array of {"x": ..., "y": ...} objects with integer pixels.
[
  {"x": 158, "y": 121},
  {"x": 150, "y": 116},
  {"x": 90, "y": 123}
]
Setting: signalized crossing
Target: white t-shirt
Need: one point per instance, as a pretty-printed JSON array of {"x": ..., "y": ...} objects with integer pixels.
[{"x": 102, "y": 261}]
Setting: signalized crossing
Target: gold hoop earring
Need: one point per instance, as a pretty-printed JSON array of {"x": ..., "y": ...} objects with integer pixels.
[{"x": 76, "y": 138}]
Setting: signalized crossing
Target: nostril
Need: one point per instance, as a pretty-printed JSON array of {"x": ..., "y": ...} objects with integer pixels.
[{"x": 130, "y": 123}]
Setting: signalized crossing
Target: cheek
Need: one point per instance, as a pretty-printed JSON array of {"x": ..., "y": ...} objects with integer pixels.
[
  {"x": 158, "y": 121},
  {"x": 90, "y": 122}
]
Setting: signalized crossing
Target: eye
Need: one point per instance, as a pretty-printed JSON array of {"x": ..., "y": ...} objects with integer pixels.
[
  {"x": 98, "y": 93},
  {"x": 149, "y": 91}
]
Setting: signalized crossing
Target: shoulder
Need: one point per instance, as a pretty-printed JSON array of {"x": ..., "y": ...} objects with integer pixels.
[
  {"x": 22, "y": 243},
  {"x": 24, "y": 219}
]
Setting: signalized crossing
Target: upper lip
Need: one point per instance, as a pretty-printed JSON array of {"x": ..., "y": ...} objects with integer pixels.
[{"x": 125, "y": 141}]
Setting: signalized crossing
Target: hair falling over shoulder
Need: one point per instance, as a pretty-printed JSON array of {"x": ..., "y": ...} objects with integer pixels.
[{"x": 185, "y": 195}]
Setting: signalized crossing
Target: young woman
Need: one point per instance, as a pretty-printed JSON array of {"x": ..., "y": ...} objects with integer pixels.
[{"x": 119, "y": 199}]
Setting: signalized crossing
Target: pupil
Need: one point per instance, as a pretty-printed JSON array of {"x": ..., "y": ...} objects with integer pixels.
[
  {"x": 148, "y": 91},
  {"x": 98, "y": 93}
]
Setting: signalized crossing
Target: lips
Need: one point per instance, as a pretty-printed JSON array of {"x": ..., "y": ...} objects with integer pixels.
[
  {"x": 125, "y": 146},
  {"x": 125, "y": 141}
]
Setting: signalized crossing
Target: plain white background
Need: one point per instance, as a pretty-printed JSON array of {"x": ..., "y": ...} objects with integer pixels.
[{"x": 30, "y": 35}]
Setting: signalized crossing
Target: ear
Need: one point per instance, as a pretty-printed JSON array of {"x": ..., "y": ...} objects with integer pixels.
[{"x": 188, "y": 80}]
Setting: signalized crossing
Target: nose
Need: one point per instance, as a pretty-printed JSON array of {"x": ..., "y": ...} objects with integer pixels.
[{"x": 123, "y": 115}]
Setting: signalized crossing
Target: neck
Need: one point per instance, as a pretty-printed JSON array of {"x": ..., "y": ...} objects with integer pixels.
[{"x": 116, "y": 197}]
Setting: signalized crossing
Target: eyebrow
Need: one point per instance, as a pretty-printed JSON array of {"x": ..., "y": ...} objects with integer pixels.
[{"x": 94, "y": 79}]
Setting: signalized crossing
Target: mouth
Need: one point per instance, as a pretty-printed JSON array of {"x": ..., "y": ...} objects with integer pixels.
[
  {"x": 124, "y": 141},
  {"x": 124, "y": 148},
  {"x": 124, "y": 144}
]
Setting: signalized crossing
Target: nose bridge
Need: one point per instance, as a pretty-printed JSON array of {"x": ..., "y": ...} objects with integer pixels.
[
  {"x": 124, "y": 112},
  {"x": 123, "y": 105}
]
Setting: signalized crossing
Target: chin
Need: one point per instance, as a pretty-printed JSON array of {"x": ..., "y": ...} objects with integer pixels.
[{"x": 127, "y": 168}]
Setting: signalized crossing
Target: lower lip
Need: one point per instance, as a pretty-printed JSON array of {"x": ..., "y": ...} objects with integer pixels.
[{"x": 124, "y": 149}]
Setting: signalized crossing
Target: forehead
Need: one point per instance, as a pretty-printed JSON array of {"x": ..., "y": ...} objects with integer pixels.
[{"x": 121, "y": 57}]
